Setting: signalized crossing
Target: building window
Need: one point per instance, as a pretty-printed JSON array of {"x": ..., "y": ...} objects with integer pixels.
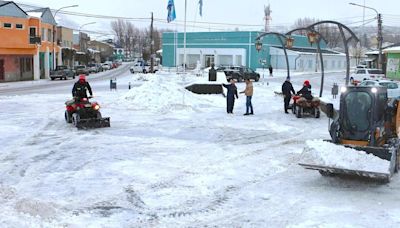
[
  {"x": 19, "y": 26},
  {"x": 43, "y": 35},
  {"x": 301, "y": 64},
  {"x": 49, "y": 35},
  {"x": 7, "y": 25}
]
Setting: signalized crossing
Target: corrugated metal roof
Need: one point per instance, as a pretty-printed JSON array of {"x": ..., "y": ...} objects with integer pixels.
[
  {"x": 46, "y": 15},
  {"x": 11, "y": 9}
]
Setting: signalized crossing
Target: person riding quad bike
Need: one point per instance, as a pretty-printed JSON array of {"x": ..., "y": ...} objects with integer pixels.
[
  {"x": 305, "y": 103},
  {"x": 81, "y": 87},
  {"x": 306, "y": 90}
]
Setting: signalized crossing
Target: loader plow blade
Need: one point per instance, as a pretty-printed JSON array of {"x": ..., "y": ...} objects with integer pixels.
[
  {"x": 328, "y": 171},
  {"x": 93, "y": 123},
  {"x": 330, "y": 159}
]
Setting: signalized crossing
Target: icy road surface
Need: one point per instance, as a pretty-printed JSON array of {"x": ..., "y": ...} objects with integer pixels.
[{"x": 175, "y": 159}]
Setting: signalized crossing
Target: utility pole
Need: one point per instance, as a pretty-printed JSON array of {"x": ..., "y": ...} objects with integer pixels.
[
  {"x": 379, "y": 36},
  {"x": 151, "y": 45},
  {"x": 380, "y": 39}
]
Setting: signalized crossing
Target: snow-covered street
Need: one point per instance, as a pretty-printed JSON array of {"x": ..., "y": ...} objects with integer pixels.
[{"x": 175, "y": 159}]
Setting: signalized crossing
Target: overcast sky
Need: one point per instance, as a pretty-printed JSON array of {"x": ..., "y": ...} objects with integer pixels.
[{"x": 237, "y": 12}]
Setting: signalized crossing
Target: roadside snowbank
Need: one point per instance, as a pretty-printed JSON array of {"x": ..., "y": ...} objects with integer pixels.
[{"x": 319, "y": 152}]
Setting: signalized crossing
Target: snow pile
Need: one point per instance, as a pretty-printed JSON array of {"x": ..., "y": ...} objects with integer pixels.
[
  {"x": 319, "y": 152},
  {"x": 165, "y": 93}
]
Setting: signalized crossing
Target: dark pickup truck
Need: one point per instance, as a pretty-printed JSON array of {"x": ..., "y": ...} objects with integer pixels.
[
  {"x": 239, "y": 73},
  {"x": 62, "y": 72}
]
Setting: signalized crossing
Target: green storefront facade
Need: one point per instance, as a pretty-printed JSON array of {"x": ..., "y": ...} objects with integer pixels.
[
  {"x": 393, "y": 65},
  {"x": 223, "y": 48}
]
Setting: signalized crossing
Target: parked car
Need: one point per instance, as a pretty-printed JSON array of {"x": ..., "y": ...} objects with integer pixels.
[
  {"x": 367, "y": 73},
  {"x": 239, "y": 73},
  {"x": 94, "y": 68},
  {"x": 81, "y": 69},
  {"x": 392, "y": 86},
  {"x": 140, "y": 67},
  {"x": 106, "y": 66},
  {"x": 62, "y": 72}
]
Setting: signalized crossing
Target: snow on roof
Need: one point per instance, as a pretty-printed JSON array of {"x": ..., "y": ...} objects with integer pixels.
[
  {"x": 372, "y": 52},
  {"x": 93, "y": 51},
  {"x": 392, "y": 50},
  {"x": 35, "y": 14}
]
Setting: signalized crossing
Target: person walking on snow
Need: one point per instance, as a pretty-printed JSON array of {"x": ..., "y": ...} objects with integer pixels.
[
  {"x": 249, "y": 94},
  {"x": 270, "y": 70},
  {"x": 287, "y": 91},
  {"x": 230, "y": 97}
]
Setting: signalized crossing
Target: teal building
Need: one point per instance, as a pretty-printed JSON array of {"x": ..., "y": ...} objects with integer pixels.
[{"x": 238, "y": 48}]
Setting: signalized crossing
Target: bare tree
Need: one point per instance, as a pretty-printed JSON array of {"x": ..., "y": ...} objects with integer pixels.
[{"x": 119, "y": 28}]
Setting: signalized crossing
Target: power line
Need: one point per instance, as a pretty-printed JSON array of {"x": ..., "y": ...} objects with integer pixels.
[{"x": 146, "y": 19}]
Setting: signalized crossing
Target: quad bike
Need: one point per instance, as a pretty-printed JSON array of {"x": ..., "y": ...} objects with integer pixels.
[
  {"x": 302, "y": 106},
  {"x": 84, "y": 114}
]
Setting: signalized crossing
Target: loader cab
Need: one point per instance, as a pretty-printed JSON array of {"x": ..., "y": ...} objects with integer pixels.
[{"x": 362, "y": 112}]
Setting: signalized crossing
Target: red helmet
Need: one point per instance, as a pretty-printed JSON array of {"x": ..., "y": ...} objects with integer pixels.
[
  {"x": 306, "y": 82},
  {"x": 82, "y": 77}
]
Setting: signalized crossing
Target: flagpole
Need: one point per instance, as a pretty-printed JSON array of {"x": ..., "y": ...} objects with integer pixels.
[{"x": 184, "y": 40}]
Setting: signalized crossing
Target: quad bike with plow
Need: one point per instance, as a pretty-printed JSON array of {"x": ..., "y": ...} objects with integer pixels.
[
  {"x": 302, "y": 107},
  {"x": 84, "y": 114}
]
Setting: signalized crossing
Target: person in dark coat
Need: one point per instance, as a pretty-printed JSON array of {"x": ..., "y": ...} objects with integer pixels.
[
  {"x": 81, "y": 87},
  {"x": 230, "y": 97},
  {"x": 270, "y": 70},
  {"x": 287, "y": 91},
  {"x": 306, "y": 90},
  {"x": 212, "y": 74}
]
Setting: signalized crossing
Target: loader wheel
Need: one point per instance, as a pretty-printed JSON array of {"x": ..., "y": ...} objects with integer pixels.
[
  {"x": 67, "y": 116},
  {"x": 298, "y": 112},
  {"x": 75, "y": 119},
  {"x": 397, "y": 166},
  {"x": 317, "y": 113}
]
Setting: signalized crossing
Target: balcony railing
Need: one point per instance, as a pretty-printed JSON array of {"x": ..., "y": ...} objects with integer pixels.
[{"x": 35, "y": 40}]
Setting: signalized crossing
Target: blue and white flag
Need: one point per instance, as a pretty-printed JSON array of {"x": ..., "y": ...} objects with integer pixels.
[
  {"x": 201, "y": 7},
  {"x": 171, "y": 11}
]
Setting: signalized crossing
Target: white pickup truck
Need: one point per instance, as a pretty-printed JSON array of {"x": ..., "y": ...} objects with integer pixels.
[{"x": 141, "y": 67}]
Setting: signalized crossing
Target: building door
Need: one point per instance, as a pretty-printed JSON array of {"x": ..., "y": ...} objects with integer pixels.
[
  {"x": 1, "y": 70},
  {"x": 209, "y": 59},
  {"x": 32, "y": 31}
]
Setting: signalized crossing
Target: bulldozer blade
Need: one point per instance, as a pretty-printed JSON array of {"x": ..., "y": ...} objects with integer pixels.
[{"x": 93, "y": 123}]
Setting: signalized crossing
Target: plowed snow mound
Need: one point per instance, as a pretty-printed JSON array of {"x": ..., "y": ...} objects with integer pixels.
[
  {"x": 319, "y": 152},
  {"x": 166, "y": 93}
]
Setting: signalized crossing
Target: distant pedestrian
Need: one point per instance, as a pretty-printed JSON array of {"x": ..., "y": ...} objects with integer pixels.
[
  {"x": 287, "y": 91},
  {"x": 212, "y": 74},
  {"x": 270, "y": 70},
  {"x": 230, "y": 97},
  {"x": 249, "y": 94}
]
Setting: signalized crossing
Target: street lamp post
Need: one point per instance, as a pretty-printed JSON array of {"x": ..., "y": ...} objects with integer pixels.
[
  {"x": 288, "y": 44},
  {"x": 54, "y": 33},
  {"x": 379, "y": 35}
]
